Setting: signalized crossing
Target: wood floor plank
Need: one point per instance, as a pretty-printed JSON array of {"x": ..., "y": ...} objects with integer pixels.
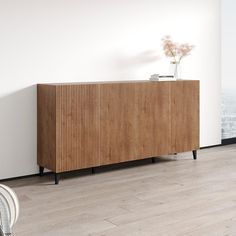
[{"x": 174, "y": 196}]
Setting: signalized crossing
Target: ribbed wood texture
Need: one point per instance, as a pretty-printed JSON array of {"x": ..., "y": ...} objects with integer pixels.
[
  {"x": 46, "y": 126},
  {"x": 78, "y": 111},
  {"x": 86, "y": 125}
]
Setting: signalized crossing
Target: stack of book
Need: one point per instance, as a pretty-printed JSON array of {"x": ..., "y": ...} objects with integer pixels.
[{"x": 157, "y": 77}]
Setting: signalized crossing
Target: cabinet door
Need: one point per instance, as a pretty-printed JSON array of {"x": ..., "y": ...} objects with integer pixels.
[
  {"x": 184, "y": 115},
  {"x": 77, "y": 126},
  {"x": 135, "y": 121}
]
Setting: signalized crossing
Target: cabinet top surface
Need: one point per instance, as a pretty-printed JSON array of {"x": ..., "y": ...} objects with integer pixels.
[{"x": 115, "y": 82}]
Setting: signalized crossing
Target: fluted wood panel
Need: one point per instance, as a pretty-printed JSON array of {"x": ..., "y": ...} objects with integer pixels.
[
  {"x": 135, "y": 121},
  {"x": 46, "y": 126},
  {"x": 185, "y": 116},
  {"x": 78, "y": 141},
  {"x": 91, "y": 124}
]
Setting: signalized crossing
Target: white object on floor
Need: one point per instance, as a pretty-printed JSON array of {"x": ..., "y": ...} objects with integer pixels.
[{"x": 9, "y": 210}]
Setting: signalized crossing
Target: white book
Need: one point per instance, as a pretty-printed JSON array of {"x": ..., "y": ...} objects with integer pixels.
[
  {"x": 167, "y": 78},
  {"x": 157, "y": 77}
]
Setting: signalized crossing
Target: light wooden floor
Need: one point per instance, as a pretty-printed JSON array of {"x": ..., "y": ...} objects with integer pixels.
[{"x": 174, "y": 196}]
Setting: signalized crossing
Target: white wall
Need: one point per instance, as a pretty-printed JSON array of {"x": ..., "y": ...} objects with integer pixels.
[{"x": 88, "y": 40}]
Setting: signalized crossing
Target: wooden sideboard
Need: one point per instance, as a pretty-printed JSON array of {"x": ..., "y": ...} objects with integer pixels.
[{"x": 83, "y": 125}]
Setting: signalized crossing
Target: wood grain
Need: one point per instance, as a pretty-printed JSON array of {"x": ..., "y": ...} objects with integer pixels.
[
  {"x": 46, "y": 126},
  {"x": 184, "y": 116},
  {"x": 78, "y": 144},
  {"x": 173, "y": 197},
  {"x": 135, "y": 121},
  {"x": 91, "y": 124}
]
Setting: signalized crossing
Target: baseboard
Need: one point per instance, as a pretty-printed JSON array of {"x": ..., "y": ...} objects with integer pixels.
[
  {"x": 228, "y": 141},
  {"x": 212, "y": 146},
  {"x": 22, "y": 177},
  {"x": 224, "y": 143}
]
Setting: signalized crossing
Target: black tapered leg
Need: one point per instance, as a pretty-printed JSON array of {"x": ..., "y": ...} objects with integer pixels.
[
  {"x": 93, "y": 170},
  {"x": 153, "y": 159},
  {"x": 195, "y": 154},
  {"x": 57, "y": 178},
  {"x": 41, "y": 170}
]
